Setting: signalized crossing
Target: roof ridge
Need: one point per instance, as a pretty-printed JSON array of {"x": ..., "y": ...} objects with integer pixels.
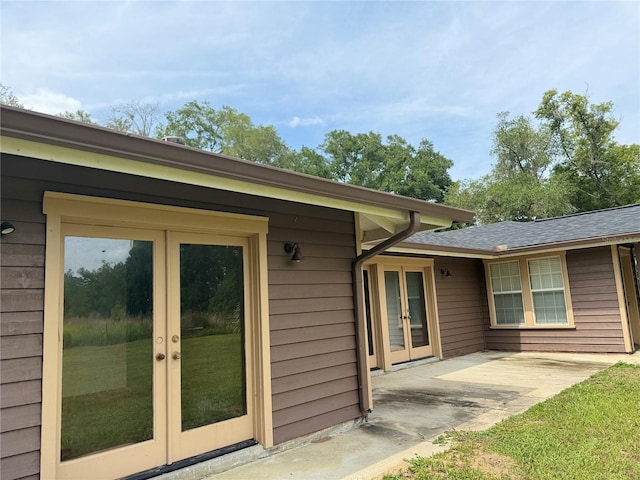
[{"x": 538, "y": 220}]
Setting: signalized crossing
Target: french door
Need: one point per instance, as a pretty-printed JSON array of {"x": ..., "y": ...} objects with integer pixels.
[
  {"x": 406, "y": 313},
  {"x": 154, "y": 360}
]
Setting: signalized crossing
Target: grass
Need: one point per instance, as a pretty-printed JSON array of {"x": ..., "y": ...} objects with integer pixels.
[
  {"x": 588, "y": 431},
  {"x": 108, "y": 391}
]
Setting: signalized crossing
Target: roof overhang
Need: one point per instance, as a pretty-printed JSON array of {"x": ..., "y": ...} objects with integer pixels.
[
  {"x": 503, "y": 251},
  {"x": 54, "y": 139}
]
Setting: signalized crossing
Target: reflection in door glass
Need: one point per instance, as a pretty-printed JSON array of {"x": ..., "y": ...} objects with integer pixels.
[
  {"x": 394, "y": 310},
  {"x": 417, "y": 309},
  {"x": 212, "y": 329},
  {"x": 107, "y": 363}
]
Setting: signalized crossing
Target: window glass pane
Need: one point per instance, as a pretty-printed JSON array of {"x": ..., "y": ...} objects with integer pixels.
[
  {"x": 212, "y": 329},
  {"x": 550, "y": 308},
  {"x": 509, "y": 308},
  {"x": 367, "y": 308},
  {"x": 417, "y": 309},
  {"x": 107, "y": 353},
  {"x": 505, "y": 277},
  {"x": 546, "y": 273},
  {"x": 394, "y": 310}
]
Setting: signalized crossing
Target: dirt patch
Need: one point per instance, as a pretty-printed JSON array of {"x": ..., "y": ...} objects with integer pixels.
[{"x": 493, "y": 464}]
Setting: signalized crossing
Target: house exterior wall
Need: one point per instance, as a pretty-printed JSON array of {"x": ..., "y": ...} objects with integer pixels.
[
  {"x": 314, "y": 379},
  {"x": 462, "y": 305},
  {"x": 596, "y": 312}
]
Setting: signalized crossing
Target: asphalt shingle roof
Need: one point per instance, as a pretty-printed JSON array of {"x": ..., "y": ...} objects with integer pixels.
[{"x": 581, "y": 226}]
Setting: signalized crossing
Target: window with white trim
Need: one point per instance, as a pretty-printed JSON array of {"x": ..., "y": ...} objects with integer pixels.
[
  {"x": 529, "y": 292},
  {"x": 547, "y": 291},
  {"x": 507, "y": 293}
]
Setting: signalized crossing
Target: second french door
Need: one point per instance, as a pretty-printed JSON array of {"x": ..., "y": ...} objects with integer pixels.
[
  {"x": 406, "y": 313},
  {"x": 210, "y": 398}
]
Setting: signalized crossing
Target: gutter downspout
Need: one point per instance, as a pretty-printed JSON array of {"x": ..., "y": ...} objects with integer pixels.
[{"x": 362, "y": 353}]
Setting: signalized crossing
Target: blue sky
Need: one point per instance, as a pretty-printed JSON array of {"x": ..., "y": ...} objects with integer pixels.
[{"x": 434, "y": 69}]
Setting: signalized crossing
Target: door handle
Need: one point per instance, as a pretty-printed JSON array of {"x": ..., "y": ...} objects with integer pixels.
[
  {"x": 160, "y": 356},
  {"x": 177, "y": 355}
]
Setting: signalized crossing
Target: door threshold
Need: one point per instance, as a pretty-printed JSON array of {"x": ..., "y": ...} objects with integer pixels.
[
  {"x": 188, "y": 462},
  {"x": 414, "y": 362}
]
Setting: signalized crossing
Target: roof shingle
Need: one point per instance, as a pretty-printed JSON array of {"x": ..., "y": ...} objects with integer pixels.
[{"x": 598, "y": 224}]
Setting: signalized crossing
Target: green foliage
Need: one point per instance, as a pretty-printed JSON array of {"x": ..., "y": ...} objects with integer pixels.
[
  {"x": 604, "y": 173},
  {"x": 393, "y": 166},
  {"x": 78, "y": 116},
  {"x": 82, "y": 332},
  {"x": 225, "y": 131},
  {"x": 306, "y": 161},
  {"x": 567, "y": 163}
]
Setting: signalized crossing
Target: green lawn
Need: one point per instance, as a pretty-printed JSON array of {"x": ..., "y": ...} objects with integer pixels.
[
  {"x": 107, "y": 390},
  {"x": 589, "y": 431}
]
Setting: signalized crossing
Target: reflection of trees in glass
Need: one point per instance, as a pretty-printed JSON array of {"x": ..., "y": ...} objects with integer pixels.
[
  {"x": 113, "y": 289},
  {"x": 211, "y": 289},
  {"x": 139, "y": 279},
  {"x": 112, "y": 303}
]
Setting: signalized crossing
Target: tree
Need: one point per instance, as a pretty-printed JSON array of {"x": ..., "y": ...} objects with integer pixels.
[
  {"x": 603, "y": 173},
  {"x": 308, "y": 161},
  {"x": 139, "y": 118},
  {"x": 224, "y": 131},
  {"x": 519, "y": 186},
  {"x": 78, "y": 116},
  {"x": 568, "y": 162},
  {"x": 395, "y": 166},
  {"x": 8, "y": 98}
]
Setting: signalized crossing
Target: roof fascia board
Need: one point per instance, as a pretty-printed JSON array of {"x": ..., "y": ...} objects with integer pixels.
[
  {"x": 45, "y": 129},
  {"x": 100, "y": 161}
]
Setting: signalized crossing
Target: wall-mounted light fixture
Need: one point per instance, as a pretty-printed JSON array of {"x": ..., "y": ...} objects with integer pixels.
[
  {"x": 445, "y": 272},
  {"x": 293, "y": 249},
  {"x": 6, "y": 228}
]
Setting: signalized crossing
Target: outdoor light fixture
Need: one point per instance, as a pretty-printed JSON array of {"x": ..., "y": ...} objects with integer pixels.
[
  {"x": 445, "y": 272},
  {"x": 6, "y": 228},
  {"x": 293, "y": 249}
]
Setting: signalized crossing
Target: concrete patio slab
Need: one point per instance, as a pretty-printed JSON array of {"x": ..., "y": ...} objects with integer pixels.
[{"x": 412, "y": 406}]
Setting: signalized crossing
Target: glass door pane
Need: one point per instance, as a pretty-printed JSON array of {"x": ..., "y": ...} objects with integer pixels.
[
  {"x": 394, "y": 310},
  {"x": 417, "y": 309},
  {"x": 107, "y": 356},
  {"x": 367, "y": 309},
  {"x": 212, "y": 370}
]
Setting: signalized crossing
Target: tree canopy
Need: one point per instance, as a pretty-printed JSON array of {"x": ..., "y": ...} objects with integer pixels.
[
  {"x": 562, "y": 160},
  {"x": 225, "y": 131}
]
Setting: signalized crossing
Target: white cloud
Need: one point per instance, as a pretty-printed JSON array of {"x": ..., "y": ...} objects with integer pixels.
[
  {"x": 305, "y": 122},
  {"x": 46, "y": 101}
]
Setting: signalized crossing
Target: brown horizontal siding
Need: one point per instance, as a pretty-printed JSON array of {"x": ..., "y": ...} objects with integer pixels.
[
  {"x": 295, "y": 320},
  {"x": 25, "y": 466},
  {"x": 318, "y": 422},
  {"x": 311, "y": 302},
  {"x": 596, "y": 312},
  {"x": 462, "y": 305},
  {"x": 297, "y": 381},
  {"x": 312, "y": 326},
  {"x": 306, "y": 334},
  {"x": 324, "y": 360},
  {"x": 21, "y": 322}
]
